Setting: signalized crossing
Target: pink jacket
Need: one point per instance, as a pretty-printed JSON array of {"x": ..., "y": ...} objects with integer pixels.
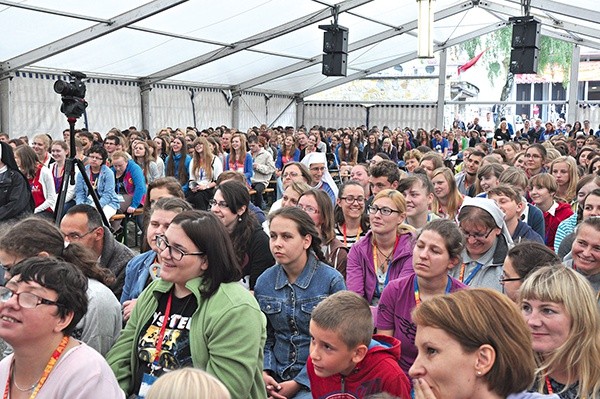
[{"x": 360, "y": 270}]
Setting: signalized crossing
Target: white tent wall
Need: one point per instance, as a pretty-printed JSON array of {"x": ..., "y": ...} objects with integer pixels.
[
  {"x": 113, "y": 103},
  {"x": 36, "y": 107},
  {"x": 253, "y": 110},
  {"x": 170, "y": 106},
  {"x": 402, "y": 115},
  {"x": 334, "y": 115},
  {"x": 281, "y": 111},
  {"x": 211, "y": 108}
]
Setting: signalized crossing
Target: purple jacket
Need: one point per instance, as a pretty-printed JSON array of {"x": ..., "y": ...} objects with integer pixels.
[{"x": 360, "y": 270}]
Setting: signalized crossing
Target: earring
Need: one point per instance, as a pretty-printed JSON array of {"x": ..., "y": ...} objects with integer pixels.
[
  {"x": 479, "y": 373},
  {"x": 239, "y": 218}
]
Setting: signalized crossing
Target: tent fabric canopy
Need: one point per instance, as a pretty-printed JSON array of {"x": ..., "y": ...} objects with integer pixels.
[{"x": 252, "y": 45}]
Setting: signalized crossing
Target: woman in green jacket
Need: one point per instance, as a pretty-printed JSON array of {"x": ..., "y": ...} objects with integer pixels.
[{"x": 213, "y": 323}]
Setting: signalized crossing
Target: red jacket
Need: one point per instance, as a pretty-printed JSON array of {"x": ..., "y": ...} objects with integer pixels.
[
  {"x": 377, "y": 372},
  {"x": 562, "y": 212}
]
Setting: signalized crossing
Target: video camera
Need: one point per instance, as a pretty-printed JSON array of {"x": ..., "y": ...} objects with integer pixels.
[{"x": 72, "y": 95}]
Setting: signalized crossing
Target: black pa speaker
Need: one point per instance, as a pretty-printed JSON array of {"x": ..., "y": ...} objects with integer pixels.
[
  {"x": 335, "y": 50},
  {"x": 335, "y": 41},
  {"x": 335, "y": 64},
  {"x": 526, "y": 32},
  {"x": 524, "y": 60}
]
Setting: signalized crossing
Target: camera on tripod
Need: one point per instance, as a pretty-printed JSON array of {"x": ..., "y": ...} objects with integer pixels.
[{"x": 72, "y": 95}]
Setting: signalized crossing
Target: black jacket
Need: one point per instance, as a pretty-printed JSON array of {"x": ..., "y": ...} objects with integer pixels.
[{"x": 15, "y": 196}]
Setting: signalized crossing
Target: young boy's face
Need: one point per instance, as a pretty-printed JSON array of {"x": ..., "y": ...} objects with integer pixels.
[
  {"x": 510, "y": 208},
  {"x": 541, "y": 195},
  {"x": 329, "y": 354},
  {"x": 417, "y": 200}
]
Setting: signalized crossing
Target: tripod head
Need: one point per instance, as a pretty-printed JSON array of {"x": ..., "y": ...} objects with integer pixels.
[{"x": 72, "y": 95}]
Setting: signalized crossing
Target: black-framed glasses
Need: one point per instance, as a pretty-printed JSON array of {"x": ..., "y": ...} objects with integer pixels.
[
  {"x": 77, "y": 236},
  {"x": 174, "y": 252},
  {"x": 503, "y": 279},
  {"x": 25, "y": 299},
  {"x": 351, "y": 199},
  {"x": 385, "y": 211},
  {"x": 220, "y": 204},
  {"x": 477, "y": 236}
]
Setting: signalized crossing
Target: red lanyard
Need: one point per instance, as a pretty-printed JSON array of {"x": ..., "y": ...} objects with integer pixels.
[
  {"x": 159, "y": 343},
  {"x": 357, "y": 235},
  {"x": 549, "y": 386},
  {"x": 51, "y": 363}
]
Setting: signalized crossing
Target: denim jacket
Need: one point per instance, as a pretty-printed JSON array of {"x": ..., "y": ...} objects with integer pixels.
[
  {"x": 136, "y": 275},
  {"x": 288, "y": 307}
]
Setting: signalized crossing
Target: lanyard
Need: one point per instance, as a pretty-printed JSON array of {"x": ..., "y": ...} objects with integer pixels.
[
  {"x": 357, "y": 236},
  {"x": 471, "y": 275},
  {"x": 549, "y": 386},
  {"x": 51, "y": 363},
  {"x": 375, "y": 262},
  {"x": 159, "y": 343},
  {"x": 418, "y": 295}
]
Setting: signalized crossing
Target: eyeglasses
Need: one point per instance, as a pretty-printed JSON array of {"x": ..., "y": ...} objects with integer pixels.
[
  {"x": 94, "y": 158},
  {"x": 532, "y": 156},
  {"x": 174, "y": 252},
  {"x": 351, "y": 199},
  {"x": 290, "y": 174},
  {"x": 220, "y": 204},
  {"x": 308, "y": 209},
  {"x": 477, "y": 236},
  {"x": 6, "y": 268},
  {"x": 77, "y": 236},
  {"x": 503, "y": 279},
  {"x": 318, "y": 169},
  {"x": 385, "y": 211},
  {"x": 25, "y": 299}
]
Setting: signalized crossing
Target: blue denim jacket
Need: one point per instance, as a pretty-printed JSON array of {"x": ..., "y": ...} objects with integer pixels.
[
  {"x": 136, "y": 275},
  {"x": 288, "y": 307}
]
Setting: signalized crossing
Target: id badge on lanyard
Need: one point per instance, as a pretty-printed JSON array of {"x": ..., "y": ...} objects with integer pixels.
[{"x": 149, "y": 378}]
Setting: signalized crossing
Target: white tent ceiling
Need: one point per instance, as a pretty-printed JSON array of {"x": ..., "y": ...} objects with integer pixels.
[{"x": 260, "y": 45}]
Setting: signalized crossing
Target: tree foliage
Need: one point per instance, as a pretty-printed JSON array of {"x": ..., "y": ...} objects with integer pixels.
[{"x": 554, "y": 56}]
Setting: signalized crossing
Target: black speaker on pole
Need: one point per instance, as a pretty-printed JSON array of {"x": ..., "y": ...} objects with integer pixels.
[
  {"x": 335, "y": 50},
  {"x": 524, "y": 56}
]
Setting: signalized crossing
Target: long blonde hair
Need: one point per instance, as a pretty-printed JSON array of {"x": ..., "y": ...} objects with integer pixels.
[
  {"x": 204, "y": 159},
  {"x": 571, "y": 192},
  {"x": 580, "y": 353}
]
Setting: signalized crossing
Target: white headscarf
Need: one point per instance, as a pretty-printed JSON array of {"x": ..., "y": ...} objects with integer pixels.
[
  {"x": 494, "y": 210},
  {"x": 319, "y": 157}
]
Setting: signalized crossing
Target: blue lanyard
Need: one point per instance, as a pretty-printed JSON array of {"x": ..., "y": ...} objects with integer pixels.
[{"x": 471, "y": 275}]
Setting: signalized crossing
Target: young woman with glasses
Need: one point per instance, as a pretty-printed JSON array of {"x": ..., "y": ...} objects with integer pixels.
[
  {"x": 349, "y": 213},
  {"x": 385, "y": 252},
  {"x": 206, "y": 313}
]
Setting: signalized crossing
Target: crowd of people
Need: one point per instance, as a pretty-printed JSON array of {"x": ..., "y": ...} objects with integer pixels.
[{"x": 301, "y": 263}]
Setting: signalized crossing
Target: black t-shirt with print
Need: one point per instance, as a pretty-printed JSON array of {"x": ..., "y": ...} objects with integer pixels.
[{"x": 175, "y": 351}]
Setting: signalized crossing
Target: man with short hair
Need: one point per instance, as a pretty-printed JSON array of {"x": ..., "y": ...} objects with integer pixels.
[
  {"x": 383, "y": 175},
  {"x": 83, "y": 224},
  {"x": 439, "y": 143},
  {"x": 465, "y": 180},
  {"x": 4, "y": 137},
  {"x": 302, "y": 140},
  {"x": 418, "y": 192},
  {"x": 226, "y": 141},
  {"x": 111, "y": 144}
]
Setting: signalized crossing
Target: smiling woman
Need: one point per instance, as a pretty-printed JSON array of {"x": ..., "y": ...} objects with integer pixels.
[
  {"x": 561, "y": 311},
  {"x": 40, "y": 307},
  {"x": 206, "y": 313}
]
